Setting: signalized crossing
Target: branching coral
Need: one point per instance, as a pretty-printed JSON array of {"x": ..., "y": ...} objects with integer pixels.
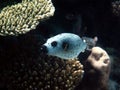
[
  {"x": 44, "y": 73},
  {"x": 25, "y": 16}
]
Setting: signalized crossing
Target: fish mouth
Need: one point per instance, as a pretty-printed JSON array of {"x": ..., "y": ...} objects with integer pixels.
[{"x": 43, "y": 49}]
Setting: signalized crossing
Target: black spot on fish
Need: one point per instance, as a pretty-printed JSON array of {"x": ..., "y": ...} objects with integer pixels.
[{"x": 65, "y": 46}]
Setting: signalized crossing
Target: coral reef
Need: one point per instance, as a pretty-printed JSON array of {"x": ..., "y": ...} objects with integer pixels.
[
  {"x": 97, "y": 70},
  {"x": 27, "y": 71},
  {"x": 44, "y": 73},
  {"x": 25, "y": 16}
]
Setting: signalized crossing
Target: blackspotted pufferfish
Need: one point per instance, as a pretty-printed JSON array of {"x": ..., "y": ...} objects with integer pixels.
[{"x": 64, "y": 45}]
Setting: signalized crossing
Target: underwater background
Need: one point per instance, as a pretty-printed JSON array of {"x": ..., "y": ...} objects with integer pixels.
[{"x": 25, "y": 25}]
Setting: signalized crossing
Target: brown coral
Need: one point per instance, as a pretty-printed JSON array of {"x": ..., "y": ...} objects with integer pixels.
[
  {"x": 44, "y": 73},
  {"x": 97, "y": 71},
  {"x": 25, "y": 16}
]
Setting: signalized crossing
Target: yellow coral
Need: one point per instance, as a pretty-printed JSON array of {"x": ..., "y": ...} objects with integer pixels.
[
  {"x": 43, "y": 73},
  {"x": 25, "y": 16}
]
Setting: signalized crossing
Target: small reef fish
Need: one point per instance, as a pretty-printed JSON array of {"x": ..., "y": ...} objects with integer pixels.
[
  {"x": 91, "y": 42},
  {"x": 64, "y": 45}
]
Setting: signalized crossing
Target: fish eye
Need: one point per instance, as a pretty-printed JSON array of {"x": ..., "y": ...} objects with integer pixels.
[
  {"x": 65, "y": 46},
  {"x": 54, "y": 43}
]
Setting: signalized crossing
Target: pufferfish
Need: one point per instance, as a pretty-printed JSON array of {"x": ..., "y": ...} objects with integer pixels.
[{"x": 65, "y": 45}]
